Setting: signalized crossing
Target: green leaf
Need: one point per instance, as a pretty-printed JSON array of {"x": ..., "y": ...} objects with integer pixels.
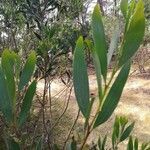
[
  {"x": 73, "y": 144},
  {"x": 136, "y": 144},
  {"x": 113, "y": 44},
  {"x": 134, "y": 34},
  {"x": 5, "y": 101},
  {"x": 39, "y": 144},
  {"x": 98, "y": 73},
  {"x": 117, "y": 127},
  {"x": 104, "y": 142},
  {"x": 27, "y": 70},
  {"x": 13, "y": 145},
  {"x": 127, "y": 132},
  {"x": 113, "y": 96},
  {"x": 27, "y": 102},
  {"x": 131, "y": 8},
  {"x": 123, "y": 121},
  {"x": 99, "y": 39},
  {"x": 55, "y": 147},
  {"x": 99, "y": 143},
  {"x": 145, "y": 146},
  {"x": 89, "y": 112},
  {"x": 116, "y": 131},
  {"x": 130, "y": 144},
  {"x": 8, "y": 60},
  {"x": 124, "y": 7},
  {"x": 80, "y": 78}
]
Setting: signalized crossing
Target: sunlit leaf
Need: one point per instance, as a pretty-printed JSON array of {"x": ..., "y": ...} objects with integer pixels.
[
  {"x": 8, "y": 62},
  {"x": 99, "y": 143},
  {"x": 113, "y": 44},
  {"x": 5, "y": 101},
  {"x": 104, "y": 142},
  {"x": 80, "y": 78},
  {"x": 27, "y": 70},
  {"x": 124, "y": 7},
  {"x": 99, "y": 39},
  {"x": 127, "y": 132},
  {"x": 136, "y": 144},
  {"x": 27, "y": 102},
  {"x": 134, "y": 34},
  {"x": 98, "y": 73},
  {"x": 113, "y": 96},
  {"x": 130, "y": 144}
]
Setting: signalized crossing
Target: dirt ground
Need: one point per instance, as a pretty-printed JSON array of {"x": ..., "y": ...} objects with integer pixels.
[{"x": 134, "y": 103}]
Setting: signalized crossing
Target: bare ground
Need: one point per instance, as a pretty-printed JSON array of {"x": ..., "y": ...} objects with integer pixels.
[{"x": 134, "y": 103}]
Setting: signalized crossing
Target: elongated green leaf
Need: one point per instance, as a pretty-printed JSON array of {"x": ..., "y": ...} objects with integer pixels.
[
  {"x": 131, "y": 7},
  {"x": 113, "y": 44},
  {"x": 8, "y": 60},
  {"x": 104, "y": 142},
  {"x": 73, "y": 144},
  {"x": 27, "y": 70},
  {"x": 99, "y": 39},
  {"x": 123, "y": 121},
  {"x": 5, "y": 101},
  {"x": 39, "y": 144},
  {"x": 13, "y": 145},
  {"x": 27, "y": 102},
  {"x": 124, "y": 7},
  {"x": 116, "y": 131},
  {"x": 130, "y": 144},
  {"x": 113, "y": 96},
  {"x": 117, "y": 126},
  {"x": 134, "y": 34},
  {"x": 127, "y": 132},
  {"x": 89, "y": 112},
  {"x": 99, "y": 143},
  {"x": 145, "y": 146},
  {"x": 136, "y": 143},
  {"x": 17, "y": 66},
  {"x": 98, "y": 73},
  {"x": 80, "y": 78}
]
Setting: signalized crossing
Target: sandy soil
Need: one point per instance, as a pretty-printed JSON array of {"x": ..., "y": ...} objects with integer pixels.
[{"x": 134, "y": 103}]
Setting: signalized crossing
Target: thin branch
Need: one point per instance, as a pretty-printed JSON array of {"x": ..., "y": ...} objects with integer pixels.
[
  {"x": 69, "y": 133},
  {"x": 57, "y": 121}
]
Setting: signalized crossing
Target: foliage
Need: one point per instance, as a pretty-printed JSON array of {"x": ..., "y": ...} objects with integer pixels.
[
  {"x": 16, "y": 89},
  {"x": 109, "y": 89},
  {"x": 51, "y": 27}
]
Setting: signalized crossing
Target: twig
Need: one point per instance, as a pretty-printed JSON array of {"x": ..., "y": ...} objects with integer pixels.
[
  {"x": 69, "y": 133},
  {"x": 64, "y": 109}
]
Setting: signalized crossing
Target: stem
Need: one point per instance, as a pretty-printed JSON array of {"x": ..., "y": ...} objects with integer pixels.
[
  {"x": 90, "y": 129},
  {"x": 69, "y": 133},
  {"x": 65, "y": 109},
  {"x": 86, "y": 137},
  {"x": 43, "y": 111}
]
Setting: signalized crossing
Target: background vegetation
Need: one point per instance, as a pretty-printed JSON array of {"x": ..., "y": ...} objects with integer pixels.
[{"x": 37, "y": 45}]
